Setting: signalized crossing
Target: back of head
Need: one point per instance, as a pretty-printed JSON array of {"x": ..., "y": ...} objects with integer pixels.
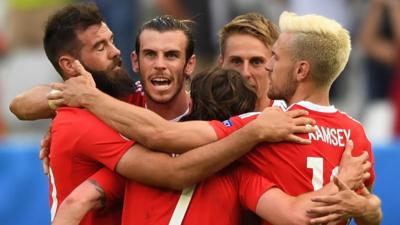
[
  {"x": 252, "y": 24},
  {"x": 169, "y": 23},
  {"x": 60, "y": 32},
  {"x": 321, "y": 41},
  {"x": 218, "y": 94}
]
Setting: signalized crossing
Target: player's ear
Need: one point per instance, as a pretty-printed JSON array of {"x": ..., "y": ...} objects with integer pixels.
[
  {"x": 302, "y": 70},
  {"x": 190, "y": 65},
  {"x": 66, "y": 64}
]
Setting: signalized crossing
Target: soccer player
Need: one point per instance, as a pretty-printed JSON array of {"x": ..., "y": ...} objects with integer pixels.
[
  {"x": 302, "y": 74},
  {"x": 215, "y": 94},
  {"x": 304, "y": 80},
  {"x": 81, "y": 144},
  {"x": 245, "y": 45}
]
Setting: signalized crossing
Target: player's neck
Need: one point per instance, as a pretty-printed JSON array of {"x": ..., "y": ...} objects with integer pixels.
[
  {"x": 262, "y": 103},
  {"x": 319, "y": 96},
  {"x": 173, "y": 109}
]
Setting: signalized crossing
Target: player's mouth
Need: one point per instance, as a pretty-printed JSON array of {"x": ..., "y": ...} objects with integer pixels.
[{"x": 161, "y": 83}]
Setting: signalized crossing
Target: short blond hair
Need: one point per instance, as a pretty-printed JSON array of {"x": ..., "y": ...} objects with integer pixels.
[
  {"x": 252, "y": 24},
  {"x": 322, "y": 41}
]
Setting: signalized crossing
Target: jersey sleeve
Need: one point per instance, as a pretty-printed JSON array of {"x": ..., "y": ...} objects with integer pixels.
[
  {"x": 112, "y": 184},
  {"x": 227, "y": 127},
  {"x": 100, "y": 142},
  {"x": 368, "y": 147},
  {"x": 251, "y": 186}
]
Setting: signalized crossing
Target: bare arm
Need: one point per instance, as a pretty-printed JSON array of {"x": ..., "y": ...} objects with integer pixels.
[
  {"x": 274, "y": 204},
  {"x": 375, "y": 45},
  {"x": 160, "y": 169},
  {"x": 87, "y": 196},
  {"x": 151, "y": 130},
  {"x": 365, "y": 207},
  {"x": 137, "y": 123},
  {"x": 32, "y": 104},
  {"x": 372, "y": 213}
]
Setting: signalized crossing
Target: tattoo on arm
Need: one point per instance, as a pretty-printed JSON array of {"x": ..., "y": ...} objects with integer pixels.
[{"x": 102, "y": 196}]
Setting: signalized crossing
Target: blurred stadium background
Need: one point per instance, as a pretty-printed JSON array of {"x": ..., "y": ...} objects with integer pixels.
[{"x": 363, "y": 91}]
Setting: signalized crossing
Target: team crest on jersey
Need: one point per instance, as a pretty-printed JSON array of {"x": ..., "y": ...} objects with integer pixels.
[{"x": 227, "y": 123}]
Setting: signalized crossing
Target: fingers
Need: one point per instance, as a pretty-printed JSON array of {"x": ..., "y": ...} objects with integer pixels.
[
  {"x": 349, "y": 148},
  {"x": 56, "y": 91},
  {"x": 83, "y": 72},
  {"x": 367, "y": 166},
  {"x": 59, "y": 102},
  {"x": 342, "y": 186},
  {"x": 43, "y": 153},
  {"x": 366, "y": 176},
  {"x": 325, "y": 219},
  {"x": 364, "y": 156},
  {"x": 327, "y": 200},
  {"x": 303, "y": 121},
  {"x": 303, "y": 129},
  {"x": 297, "y": 113},
  {"x": 46, "y": 165},
  {"x": 364, "y": 191},
  {"x": 44, "y": 157},
  {"x": 57, "y": 86},
  {"x": 319, "y": 212},
  {"x": 296, "y": 139},
  {"x": 77, "y": 66}
]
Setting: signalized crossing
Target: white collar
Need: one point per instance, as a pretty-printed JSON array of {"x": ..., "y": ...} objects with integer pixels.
[{"x": 315, "y": 107}]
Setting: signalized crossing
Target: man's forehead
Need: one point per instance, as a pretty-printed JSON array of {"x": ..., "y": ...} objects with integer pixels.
[
  {"x": 165, "y": 40},
  {"x": 94, "y": 33},
  {"x": 245, "y": 45}
]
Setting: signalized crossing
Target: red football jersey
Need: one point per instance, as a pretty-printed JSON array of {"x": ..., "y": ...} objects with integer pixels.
[
  {"x": 81, "y": 145},
  {"x": 296, "y": 168},
  {"x": 217, "y": 200}
]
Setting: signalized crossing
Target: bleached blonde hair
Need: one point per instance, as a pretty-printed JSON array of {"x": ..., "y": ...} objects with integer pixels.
[{"x": 322, "y": 41}]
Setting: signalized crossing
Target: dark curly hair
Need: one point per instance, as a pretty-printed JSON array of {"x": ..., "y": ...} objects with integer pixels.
[{"x": 60, "y": 30}]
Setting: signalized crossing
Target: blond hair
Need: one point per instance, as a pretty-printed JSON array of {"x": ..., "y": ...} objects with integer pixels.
[
  {"x": 322, "y": 41},
  {"x": 252, "y": 24}
]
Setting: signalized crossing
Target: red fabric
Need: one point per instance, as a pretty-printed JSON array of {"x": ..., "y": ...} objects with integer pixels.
[
  {"x": 81, "y": 145},
  {"x": 285, "y": 164},
  {"x": 217, "y": 200},
  {"x": 113, "y": 186}
]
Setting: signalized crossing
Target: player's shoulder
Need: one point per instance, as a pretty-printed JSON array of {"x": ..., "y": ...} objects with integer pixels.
[
  {"x": 240, "y": 119},
  {"x": 79, "y": 116},
  {"x": 350, "y": 121}
]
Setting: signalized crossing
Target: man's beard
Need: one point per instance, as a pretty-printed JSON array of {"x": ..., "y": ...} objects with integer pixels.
[
  {"x": 286, "y": 93},
  {"x": 114, "y": 82}
]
